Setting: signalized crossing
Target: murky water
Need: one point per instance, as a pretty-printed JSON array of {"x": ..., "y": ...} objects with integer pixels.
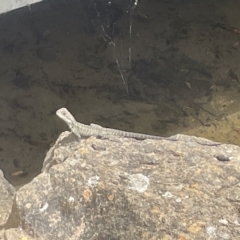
[{"x": 183, "y": 77}]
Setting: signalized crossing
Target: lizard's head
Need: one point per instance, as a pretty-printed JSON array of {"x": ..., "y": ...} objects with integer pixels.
[{"x": 65, "y": 115}]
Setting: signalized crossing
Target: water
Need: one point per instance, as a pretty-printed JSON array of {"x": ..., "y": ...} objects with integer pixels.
[{"x": 183, "y": 77}]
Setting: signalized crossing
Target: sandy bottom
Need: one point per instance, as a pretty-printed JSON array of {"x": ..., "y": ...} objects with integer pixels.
[{"x": 183, "y": 77}]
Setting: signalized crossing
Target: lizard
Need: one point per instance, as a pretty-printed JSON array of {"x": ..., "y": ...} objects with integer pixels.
[{"x": 83, "y": 130}]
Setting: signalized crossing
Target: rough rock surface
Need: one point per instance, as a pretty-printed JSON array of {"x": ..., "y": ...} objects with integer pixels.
[
  {"x": 7, "y": 193},
  {"x": 16, "y": 234},
  {"x": 128, "y": 189}
]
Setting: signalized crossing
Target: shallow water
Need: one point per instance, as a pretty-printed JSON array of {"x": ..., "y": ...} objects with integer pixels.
[{"x": 183, "y": 77}]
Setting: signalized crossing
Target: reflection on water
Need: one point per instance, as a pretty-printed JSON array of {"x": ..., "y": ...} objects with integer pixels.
[{"x": 183, "y": 76}]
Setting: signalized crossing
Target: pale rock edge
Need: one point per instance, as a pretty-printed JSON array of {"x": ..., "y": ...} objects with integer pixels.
[{"x": 9, "y": 5}]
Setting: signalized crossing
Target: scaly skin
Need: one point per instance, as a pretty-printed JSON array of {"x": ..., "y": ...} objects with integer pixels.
[{"x": 84, "y": 130}]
